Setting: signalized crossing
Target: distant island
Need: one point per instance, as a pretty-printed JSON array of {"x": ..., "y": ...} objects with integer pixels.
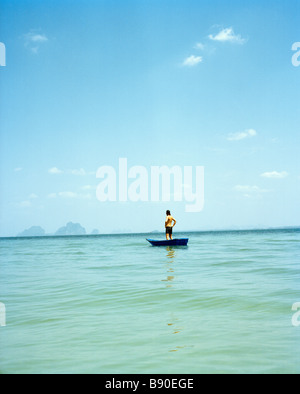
[
  {"x": 34, "y": 231},
  {"x": 69, "y": 229}
]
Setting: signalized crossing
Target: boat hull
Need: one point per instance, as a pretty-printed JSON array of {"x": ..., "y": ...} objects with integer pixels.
[{"x": 174, "y": 242}]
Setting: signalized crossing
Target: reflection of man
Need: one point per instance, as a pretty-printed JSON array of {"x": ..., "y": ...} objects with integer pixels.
[{"x": 169, "y": 224}]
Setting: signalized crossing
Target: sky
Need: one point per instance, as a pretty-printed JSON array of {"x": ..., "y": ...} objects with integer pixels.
[{"x": 160, "y": 83}]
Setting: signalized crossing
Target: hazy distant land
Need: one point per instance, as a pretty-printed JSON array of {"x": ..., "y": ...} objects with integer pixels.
[
  {"x": 69, "y": 229},
  {"x": 75, "y": 229},
  {"x": 34, "y": 231}
]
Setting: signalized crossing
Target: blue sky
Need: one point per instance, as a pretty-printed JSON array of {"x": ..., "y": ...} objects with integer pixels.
[{"x": 187, "y": 83}]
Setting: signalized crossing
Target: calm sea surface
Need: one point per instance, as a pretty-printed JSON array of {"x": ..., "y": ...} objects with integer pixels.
[{"x": 114, "y": 304}]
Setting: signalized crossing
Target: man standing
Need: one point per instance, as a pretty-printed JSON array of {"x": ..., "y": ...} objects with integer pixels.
[{"x": 169, "y": 224}]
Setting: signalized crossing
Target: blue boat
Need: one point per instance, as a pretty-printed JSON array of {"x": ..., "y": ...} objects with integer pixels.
[{"x": 173, "y": 242}]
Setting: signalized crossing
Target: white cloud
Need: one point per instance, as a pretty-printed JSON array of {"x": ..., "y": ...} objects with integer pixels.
[
  {"x": 275, "y": 174},
  {"x": 193, "y": 61},
  {"x": 55, "y": 171},
  {"x": 200, "y": 46},
  {"x": 33, "y": 196},
  {"x": 33, "y": 40},
  {"x": 72, "y": 195},
  {"x": 80, "y": 172},
  {"x": 18, "y": 169},
  {"x": 228, "y": 35},
  {"x": 36, "y": 37},
  {"x": 88, "y": 187},
  {"x": 242, "y": 135}
]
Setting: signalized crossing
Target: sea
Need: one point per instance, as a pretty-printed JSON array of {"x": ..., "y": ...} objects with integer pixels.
[{"x": 226, "y": 304}]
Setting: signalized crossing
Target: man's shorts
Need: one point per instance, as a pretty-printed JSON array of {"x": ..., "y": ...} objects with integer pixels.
[{"x": 169, "y": 230}]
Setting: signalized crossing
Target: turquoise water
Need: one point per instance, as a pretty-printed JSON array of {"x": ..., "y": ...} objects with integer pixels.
[{"x": 114, "y": 304}]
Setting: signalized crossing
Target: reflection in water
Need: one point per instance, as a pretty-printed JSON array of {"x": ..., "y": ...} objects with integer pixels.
[
  {"x": 171, "y": 252},
  {"x": 173, "y": 320},
  {"x": 171, "y": 256}
]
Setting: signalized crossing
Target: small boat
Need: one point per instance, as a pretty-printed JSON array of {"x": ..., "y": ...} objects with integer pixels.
[{"x": 173, "y": 242}]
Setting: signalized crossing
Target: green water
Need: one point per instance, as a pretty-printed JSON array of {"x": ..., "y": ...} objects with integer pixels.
[{"x": 114, "y": 304}]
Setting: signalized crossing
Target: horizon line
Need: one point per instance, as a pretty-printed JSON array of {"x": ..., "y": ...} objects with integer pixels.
[{"x": 297, "y": 227}]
